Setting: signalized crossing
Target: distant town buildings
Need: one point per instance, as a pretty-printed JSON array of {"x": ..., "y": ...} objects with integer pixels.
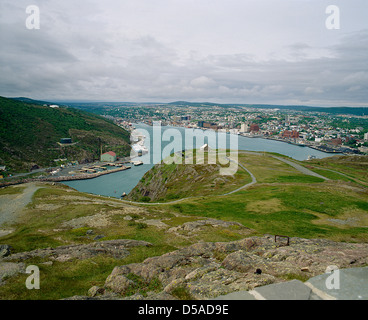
[
  {"x": 320, "y": 130},
  {"x": 254, "y": 127},
  {"x": 335, "y": 142},
  {"x": 290, "y": 134},
  {"x": 208, "y": 125},
  {"x": 244, "y": 128},
  {"x": 200, "y": 124}
]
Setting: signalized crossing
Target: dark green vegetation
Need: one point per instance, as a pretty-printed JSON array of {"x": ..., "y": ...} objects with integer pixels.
[
  {"x": 29, "y": 135},
  {"x": 31, "y": 101}
]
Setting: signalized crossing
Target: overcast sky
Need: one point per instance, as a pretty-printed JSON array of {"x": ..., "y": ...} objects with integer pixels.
[{"x": 236, "y": 51}]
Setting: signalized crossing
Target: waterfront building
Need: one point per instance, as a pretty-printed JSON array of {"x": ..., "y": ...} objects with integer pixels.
[
  {"x": 108, "y": 157},
  {"x": 254, "y": 127},
  {"x": 244, "y": 128}
]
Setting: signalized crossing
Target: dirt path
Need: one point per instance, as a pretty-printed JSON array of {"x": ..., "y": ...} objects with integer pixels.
[
  {"x": 301, "y": 168},
  {"x": 12, "y": 204}
]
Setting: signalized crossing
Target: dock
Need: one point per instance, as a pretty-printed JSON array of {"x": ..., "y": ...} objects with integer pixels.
[{"x": 84, "y": 176}]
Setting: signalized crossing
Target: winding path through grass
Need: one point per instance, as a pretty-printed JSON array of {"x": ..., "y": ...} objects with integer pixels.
[{"x": 300, "y": 168}]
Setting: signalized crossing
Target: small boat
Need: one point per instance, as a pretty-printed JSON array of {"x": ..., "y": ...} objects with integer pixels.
[
  {"x": 123, "y": 195},
  {"x": 137, "y": 163}
]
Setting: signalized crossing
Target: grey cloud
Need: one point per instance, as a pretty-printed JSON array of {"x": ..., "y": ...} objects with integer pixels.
[{"x": 90, "y": 56}]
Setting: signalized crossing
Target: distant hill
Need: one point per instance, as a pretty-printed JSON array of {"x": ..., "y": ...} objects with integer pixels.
[
  {"x": 101, "y": 107},
  {"x": 28, "y": 100},
  {"x": 359, "y": 111},
  {"x": 30, "y": 132}
]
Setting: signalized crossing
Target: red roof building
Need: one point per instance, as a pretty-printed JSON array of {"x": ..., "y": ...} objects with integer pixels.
[
  {"x": 254, "y": 127},
  {"x": 108, "y": 156}
]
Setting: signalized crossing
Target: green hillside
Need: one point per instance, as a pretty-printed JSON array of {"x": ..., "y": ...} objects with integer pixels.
[
  {"x": 174, "y": 181},
  {"x": 29, "y": 135}
]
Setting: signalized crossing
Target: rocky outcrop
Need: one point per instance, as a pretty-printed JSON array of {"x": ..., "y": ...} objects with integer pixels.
[
  {"x": 207, "y": 270},
  {"x": 115, "y": 248},
  {"x": 204, "y": 270},
  {"x": 192, "y": 228},
  {"x": 195, "y": 225},
  {"x": 10, "y": 269}
]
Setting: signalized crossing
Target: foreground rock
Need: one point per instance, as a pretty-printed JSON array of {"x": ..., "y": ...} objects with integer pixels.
[
  {"x": 208, "y": 270},
  {"x": 4, "y": 250},
  {"x": 10, "y": 269}
]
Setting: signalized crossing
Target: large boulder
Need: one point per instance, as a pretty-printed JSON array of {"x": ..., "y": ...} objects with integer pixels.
[{"x": 119, "y": 284}]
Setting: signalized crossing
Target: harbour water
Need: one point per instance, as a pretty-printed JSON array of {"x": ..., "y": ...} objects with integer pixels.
[{"x": 115, "y": 184}]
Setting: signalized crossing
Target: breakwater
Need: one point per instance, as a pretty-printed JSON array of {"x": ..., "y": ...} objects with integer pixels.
[{"x": 63, "y": 178}]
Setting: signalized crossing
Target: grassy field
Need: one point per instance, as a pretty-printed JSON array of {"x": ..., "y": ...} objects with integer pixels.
[
  {"x": 346, "y": 168},
  {"x": 289, "y": 210},
  {"x": 11, "y": 190},
  {"x": 283, "y": 201},
  {"x": 268, "y": 169}
]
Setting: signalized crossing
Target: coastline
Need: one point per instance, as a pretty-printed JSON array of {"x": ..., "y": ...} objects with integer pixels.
[{"x": 260, "y": 136}]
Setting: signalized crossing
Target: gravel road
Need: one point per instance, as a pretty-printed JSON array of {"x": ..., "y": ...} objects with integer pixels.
[{"x": 12, "y": 204}]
